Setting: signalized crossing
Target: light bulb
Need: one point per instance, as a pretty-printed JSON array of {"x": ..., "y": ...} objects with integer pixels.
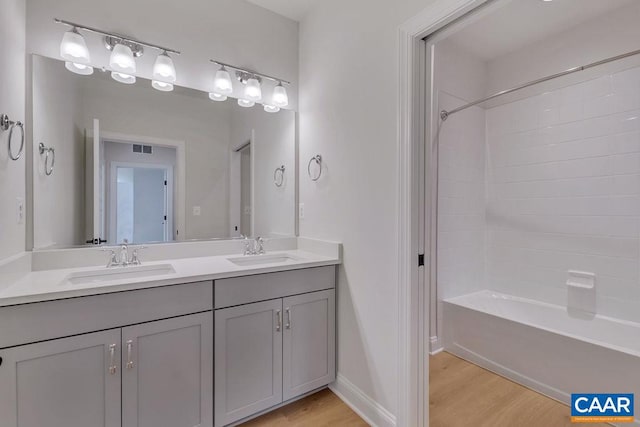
[
  {"x": 271, "y": 108},
  {"x": 222, "y": 82},
  {"x": 78, "y": 68},
  {"x": 122, "y": 60},
  {"x": 163, "y": 69},
  {"x": 74, "y": 49},
  {"x": 280, "y": 98},
  {"x": 217, "y": 97},
  {"x": 162, "y": 86},
  {"x": 123, "y": 77},
  {"x": 252, "y": 91},
  {"x": 246, "y": 103}
]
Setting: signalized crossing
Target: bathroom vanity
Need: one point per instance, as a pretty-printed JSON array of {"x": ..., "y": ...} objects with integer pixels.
[{"x": 231, "y": 342}]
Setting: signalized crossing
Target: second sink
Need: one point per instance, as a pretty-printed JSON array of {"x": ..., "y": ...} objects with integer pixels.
[{"x": 117, "y": 273}]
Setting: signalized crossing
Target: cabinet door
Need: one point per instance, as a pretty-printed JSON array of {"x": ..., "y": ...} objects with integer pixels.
[
  {"x": 248, "y": 360},
  {"x": 69, "y": 382},
  {"x": 309, "y": 342},
  {"x": 167, "y": 378}
]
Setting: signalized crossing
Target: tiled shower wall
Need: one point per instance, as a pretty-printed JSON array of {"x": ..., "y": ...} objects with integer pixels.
[{"x": 563, "y": 193}]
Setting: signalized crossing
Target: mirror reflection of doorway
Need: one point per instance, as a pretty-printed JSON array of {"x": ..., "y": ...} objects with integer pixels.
[{"x": 142, "y": 202}]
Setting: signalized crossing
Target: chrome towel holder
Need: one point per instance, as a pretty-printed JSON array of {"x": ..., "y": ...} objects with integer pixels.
[
  {"x": 276, "y": 181},
  {"x": 318, "y": 160},
  {"x": 49, "y": 153},
  {"x": 7, "y": 124}
]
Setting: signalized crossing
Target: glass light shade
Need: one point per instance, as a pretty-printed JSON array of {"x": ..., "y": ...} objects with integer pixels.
[
  {"x": 246, "y": 103},
  {"x": 78, "y": 68},
  {"x": 217, "y": 97},
  {"x": 123, "y": 77},
  {"x": 271, "y": 108},
  {"x": 280, "y": 97},
  {"x": 163, "y": 69},
  {"x": 122, "y": 60},
  {"x": 162, "y": 86},
  {"x": 222, "y": 83},
  {"x": 73, "y": 48},
  {"x": 253, "y": 91}
]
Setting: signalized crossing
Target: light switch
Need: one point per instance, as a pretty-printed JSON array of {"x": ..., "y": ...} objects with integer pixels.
[{"x": 196, "y": 211}]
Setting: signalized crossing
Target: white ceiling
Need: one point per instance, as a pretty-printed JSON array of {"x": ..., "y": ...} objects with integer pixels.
[
  {"x": 505, "y": 29},
  {"x": 292, "y": 9}
]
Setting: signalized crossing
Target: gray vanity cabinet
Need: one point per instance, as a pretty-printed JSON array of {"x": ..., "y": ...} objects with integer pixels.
[
  {"x": 167, "y": 372},
  {"x": 308, "y": 342},
  {"x": 248, "y": 360},
  {"x": 274, "y": 340},
  {"x": 69, "y": 382}
]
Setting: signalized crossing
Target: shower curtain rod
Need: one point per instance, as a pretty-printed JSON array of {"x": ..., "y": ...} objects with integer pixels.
[{"x": 444, "y": 114}]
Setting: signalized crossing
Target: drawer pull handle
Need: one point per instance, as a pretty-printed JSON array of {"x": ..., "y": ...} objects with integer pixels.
[
  {"x": 279, "y": 321},
  {"x": 129, "y": 360},
  {"x": 112, "y": 359},
  {"x": 288, "y": 312}
]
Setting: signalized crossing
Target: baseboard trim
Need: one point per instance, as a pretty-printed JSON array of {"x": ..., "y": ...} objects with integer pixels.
[
  {"x": 363, "y": 405},
  {"x": 435, "y": 345}
]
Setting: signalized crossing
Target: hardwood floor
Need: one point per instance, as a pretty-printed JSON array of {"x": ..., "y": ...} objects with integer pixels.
[
  {"x": 462, "y": 394},
  {"x": 320, "y": 409}
]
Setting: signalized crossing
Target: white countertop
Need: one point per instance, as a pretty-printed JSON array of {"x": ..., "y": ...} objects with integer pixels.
[{"x": 46, "y": 285}]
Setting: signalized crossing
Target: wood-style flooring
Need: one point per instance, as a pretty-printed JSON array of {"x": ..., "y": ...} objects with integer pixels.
[
  {"x": 461, "y": 395},
  {"x": 318, "y": 410}
]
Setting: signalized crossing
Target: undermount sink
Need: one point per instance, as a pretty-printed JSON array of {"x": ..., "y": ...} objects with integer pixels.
[
  {"x": 249, "y": 260},
  {"x": 117, "y": 273}
]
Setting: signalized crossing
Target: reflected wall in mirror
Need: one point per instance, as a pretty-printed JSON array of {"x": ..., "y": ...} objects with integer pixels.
[{"x": 147, "y": 166}]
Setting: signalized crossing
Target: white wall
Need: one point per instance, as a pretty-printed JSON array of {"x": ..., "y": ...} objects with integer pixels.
[
  {"x": 12, "y": 96},
  {"x": 231, "y": 31},
  {"x": 348, "y": 110},
  {"x": 58, "y": 123}
]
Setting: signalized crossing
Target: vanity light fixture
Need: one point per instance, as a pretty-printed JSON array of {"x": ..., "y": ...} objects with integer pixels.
[
  {"x": 217, "y": 97},
  {"x": 252, "y": 90},
  {"x": 252, "y": 82},
  {"x": 164, "y": 73},
  {"x": 73, "y": 49},
  {"x": 280, "y": 97},
  {"x": 222, "y": 84},
  {"x": 246, "y": 103},
  {"x": 122, "y": 63},
  {"x": 271, "y": 108}
]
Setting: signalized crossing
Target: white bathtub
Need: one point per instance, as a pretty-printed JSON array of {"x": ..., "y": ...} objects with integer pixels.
[{"x": 543, "y": 347}]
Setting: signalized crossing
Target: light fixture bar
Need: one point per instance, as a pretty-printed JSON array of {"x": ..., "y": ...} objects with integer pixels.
[
  {"x": 255, "y": 73},
  {"x": 114, "y": 35}
]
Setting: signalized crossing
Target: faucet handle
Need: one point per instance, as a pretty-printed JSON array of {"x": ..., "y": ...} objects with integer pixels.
[
  {"x": 259, "y": 246},
  {"x": 113, "y": 257},
  {"x": 135, "y": 260}
]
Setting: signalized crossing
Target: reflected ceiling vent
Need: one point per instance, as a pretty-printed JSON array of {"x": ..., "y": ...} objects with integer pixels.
[{"x": 144, "y": 149}]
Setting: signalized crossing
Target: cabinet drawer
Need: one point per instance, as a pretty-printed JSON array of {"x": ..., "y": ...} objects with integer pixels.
[
  {"x": 26, "y": 323},
  {"x": 261, "y": 287}
]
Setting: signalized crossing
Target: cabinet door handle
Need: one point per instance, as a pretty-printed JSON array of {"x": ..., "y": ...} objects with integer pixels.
[
  {"x": 288, "y": 313},
  {"x": 129, "y": 360},
  {"x": 279, "y": 321},
  {"x": 112, "y": 359}
]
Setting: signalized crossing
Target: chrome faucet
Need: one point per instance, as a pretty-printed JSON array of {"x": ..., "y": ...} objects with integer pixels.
[
  {"x": 253, "y": 247},
  {"x": 121, "y": 258}
]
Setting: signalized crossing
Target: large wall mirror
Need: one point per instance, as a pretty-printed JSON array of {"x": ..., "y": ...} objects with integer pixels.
[{"x": 116, "y": 162}]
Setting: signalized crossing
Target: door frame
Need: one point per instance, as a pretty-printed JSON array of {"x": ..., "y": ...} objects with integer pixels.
[
  {"x": 180, "y": 173},
  {"x": 414, "y": 184},
  {"x": 113, "y": 199}
]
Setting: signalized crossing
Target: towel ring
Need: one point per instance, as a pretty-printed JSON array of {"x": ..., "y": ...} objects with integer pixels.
[
  {"x": 6, "y": 124},
  {"x": 277, "y": 182},
  {"x": 49, "y": 153},
  {"x": 318, "y": 159}
]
